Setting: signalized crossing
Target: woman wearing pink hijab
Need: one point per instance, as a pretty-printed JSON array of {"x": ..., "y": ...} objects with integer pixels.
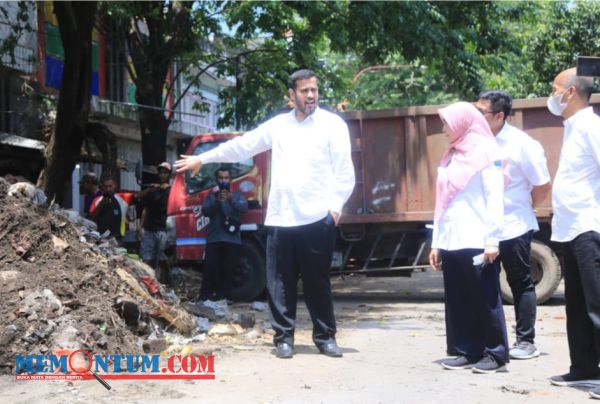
[{"x": 467, "y": 226}]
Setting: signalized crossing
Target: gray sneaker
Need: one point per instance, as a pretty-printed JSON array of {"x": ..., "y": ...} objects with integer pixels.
[
  {"x": 576, "y": 380},
  {"x": 595, "y": 393},
  {"x": 488, "y": 364},
  {"x": 523, "y": 350},
  {"x": 460, "y": 362}
]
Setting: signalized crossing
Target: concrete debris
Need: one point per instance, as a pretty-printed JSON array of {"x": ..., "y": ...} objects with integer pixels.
[
  {"x": 259, "y": 306},
  {"x": 60, "y": 245},
  {"x": 157, "y": 345},
  {"x": 202, "y": 324},
  {"x": 220, "y": 307},
  {"x": 199, "y": 338},
  {"x": 224, "y": 330},
  {"x": 209, "y": 309},
  {"x": 247, "y": 320},
  {"x": 253, "y": 334}
]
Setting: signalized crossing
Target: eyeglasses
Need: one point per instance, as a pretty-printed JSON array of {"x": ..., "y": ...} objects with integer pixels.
[{"x": 483, "y": 111}]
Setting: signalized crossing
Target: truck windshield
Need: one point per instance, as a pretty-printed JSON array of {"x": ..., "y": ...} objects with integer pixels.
[{"x": 205, "y": 178}]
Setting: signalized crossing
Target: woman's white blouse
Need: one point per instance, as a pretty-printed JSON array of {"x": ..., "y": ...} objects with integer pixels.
[{"x": 475, "y": 217}]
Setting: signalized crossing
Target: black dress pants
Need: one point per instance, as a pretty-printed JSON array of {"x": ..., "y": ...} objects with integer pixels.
[
  {"x": 304, "y": 251},
  {"x": 475, "y": 322},
  {"x": 220, "y": 262},
  {"x": 582, "y": 295},
  {"x": 515, "y": 255}
]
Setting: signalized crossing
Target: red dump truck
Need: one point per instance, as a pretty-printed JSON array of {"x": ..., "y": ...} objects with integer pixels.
[{"x": 383, "y": 230}]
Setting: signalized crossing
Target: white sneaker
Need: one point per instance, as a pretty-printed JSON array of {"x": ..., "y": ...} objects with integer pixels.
[{"x": 523, "y": 350}]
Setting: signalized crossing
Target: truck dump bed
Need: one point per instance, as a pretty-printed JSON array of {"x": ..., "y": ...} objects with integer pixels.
[{"x": 396, "y": 153}]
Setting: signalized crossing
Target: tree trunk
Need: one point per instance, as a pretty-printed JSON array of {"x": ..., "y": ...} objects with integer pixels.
[
  {"x": 167, "y": 34},
  {"x": 154, "y": 126},
  {"x": 153, "y": 122},
  {"x": 75, "y": 20},
  {"x": 106, "y": 142}
]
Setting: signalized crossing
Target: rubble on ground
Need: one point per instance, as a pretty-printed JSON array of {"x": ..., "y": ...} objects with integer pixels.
[{"x": 64, "y": 286}]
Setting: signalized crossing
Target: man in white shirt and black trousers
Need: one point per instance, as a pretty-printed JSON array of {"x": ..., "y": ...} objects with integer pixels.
[
  {"x": 312, "y": 176},
  {"x": 529, "y": 185},
  {"x": 576, "y": 224}
]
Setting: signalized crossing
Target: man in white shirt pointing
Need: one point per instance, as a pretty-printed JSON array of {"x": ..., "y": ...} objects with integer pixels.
[
  {"x": 576, "y": 224},
  {"x": 312, "y": 176},
  {"x": 529, "y": 185}
]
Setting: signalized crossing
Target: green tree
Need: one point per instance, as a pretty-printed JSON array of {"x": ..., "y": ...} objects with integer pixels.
[
  {"x": 549, "y": 36},
  {"x": 572, "y": 29},
  {"x": 412, "y": 52}
]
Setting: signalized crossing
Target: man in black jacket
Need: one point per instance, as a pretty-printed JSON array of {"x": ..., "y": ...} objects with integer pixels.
[{"x": 224, "y": 208}]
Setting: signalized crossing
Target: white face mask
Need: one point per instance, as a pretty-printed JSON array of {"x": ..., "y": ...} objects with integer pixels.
[{"x": 555, "y": 106}]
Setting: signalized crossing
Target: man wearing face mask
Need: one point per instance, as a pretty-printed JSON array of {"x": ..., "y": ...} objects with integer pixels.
[
  {"x": 529, "y": 186},
  {"x": 576, "y": 224},
  {"x": 224, "y": 208}
]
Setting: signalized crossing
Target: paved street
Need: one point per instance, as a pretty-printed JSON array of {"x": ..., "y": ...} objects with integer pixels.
[{"x": 392, "y": 332}]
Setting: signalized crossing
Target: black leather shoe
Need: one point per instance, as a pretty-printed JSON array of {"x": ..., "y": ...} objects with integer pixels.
[
  {"x": 330, "y": 349},
  {"x": 284, "y": 350}
]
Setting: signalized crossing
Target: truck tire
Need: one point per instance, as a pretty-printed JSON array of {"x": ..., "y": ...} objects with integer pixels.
[
  {"x": 545, "y": 271},
  {"x": 249, "y": 279}
]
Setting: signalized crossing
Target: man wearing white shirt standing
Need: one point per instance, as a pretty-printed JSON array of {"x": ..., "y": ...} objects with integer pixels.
[
  {"x": 312, "y": 176},
  {"x": 529, "y": 185},
  {"x": 576, "y": 224}
]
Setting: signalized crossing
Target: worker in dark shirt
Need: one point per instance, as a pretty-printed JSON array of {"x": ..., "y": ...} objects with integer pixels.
[
  {"x": 109, "y": 209},
  {"x": 153, "y": 227},
  {"x": 224, "y": 208},
  {"x": 88, "y": 186}
]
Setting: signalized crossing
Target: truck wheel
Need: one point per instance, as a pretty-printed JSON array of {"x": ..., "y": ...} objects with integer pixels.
[
  {"x": 249, "y": 279},
  {"x": 545, "y": 271}
]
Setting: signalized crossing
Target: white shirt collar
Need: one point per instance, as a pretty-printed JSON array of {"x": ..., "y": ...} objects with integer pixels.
[
  {"x": 292, "y": 115},
  {"x": 502, "y": 134}
]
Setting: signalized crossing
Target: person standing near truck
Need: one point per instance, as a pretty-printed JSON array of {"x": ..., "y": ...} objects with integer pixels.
[
  {"x": 152, "y": 231},
  {"x": 312, "y": 177},
  {"x": 576, "y": 224},
  {"x": 109, "y": 209},
  {"x": 529, "y": 186},
  {"x": 223, "y": 239},
  {"x": 468, "y": 223}
]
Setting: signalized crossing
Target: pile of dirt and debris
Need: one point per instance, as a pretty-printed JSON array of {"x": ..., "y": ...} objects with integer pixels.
[{"x": 64, "y": 286}]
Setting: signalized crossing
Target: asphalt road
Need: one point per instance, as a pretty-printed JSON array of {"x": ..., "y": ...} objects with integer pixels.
[{"x": 392, "y": 334}]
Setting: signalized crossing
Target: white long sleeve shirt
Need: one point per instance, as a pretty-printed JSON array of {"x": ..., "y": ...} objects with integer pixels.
[
  {"x": 576, "y": 189},
  {"x": 474, "y": 218},
  {"x": 311, "y": 165},
  {"x": 527, "y": 167}
]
